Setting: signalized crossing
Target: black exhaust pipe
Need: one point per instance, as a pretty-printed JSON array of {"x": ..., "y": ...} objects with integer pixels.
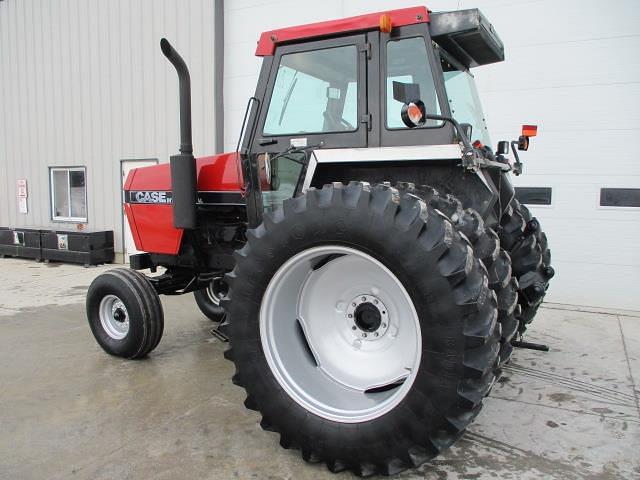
[{"x": 183, "y": 165}]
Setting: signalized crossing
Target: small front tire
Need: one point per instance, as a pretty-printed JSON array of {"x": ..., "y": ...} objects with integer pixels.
[
  {"x": 124, "y": 313},
  {"x": 208, "y": 299}
]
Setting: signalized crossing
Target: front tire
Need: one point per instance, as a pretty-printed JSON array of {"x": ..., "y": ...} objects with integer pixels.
[
  {"x": 208, "y": 299},
  {"x": 307, "y": 365},
  {"x": 124, "y": 313}
]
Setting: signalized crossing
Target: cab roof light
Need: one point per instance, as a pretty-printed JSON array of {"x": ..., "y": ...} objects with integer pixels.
[{"x": 385, "y": 23}]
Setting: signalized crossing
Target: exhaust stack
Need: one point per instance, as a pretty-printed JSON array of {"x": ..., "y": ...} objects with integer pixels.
[{"x": 183, "y": 165}]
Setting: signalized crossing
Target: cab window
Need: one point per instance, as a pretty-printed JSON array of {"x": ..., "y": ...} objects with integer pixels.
[
  {"x": 407, "y": 62},
  {"x": 464, "y": 100},
  {"x": 315, "y": 92}
]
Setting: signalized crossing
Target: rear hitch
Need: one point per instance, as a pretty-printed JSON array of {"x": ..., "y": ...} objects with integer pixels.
[{"x": 530, "y": 346}]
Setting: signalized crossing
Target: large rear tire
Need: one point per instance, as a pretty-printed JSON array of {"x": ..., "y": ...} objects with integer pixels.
[
  {"x": 521, "y": 235},
  {"x": 487, "y": 248},
  {"x": 362, "y": 328}
]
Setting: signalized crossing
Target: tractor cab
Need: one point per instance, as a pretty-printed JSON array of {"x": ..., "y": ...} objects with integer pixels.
[{"x": 339, "y": 92}]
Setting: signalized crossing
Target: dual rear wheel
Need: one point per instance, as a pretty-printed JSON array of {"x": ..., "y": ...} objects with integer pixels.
[{"x": 362, "y": 328}]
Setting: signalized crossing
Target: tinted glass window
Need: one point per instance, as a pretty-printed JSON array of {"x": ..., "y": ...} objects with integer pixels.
[
  {"x": 464, "y": 101},
  {"x": 279, "y": 177},
  {"x": 407, "y": 62},
  {"x": 315, "y": 92}
]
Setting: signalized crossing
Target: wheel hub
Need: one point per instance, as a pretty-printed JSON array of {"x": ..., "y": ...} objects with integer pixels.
[
  {"x": 368, "y": 317},
  {"x": 114, "y": 317},
  {"x": 119, "y": 315}
]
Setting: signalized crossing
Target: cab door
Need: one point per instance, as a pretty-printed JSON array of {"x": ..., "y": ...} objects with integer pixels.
[
  {"x": 407, "y": 56},
  {"x": 315, "y": 96}
]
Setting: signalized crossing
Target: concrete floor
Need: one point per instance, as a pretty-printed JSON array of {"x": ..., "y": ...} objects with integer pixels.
[{"x": 68, "y": 410}]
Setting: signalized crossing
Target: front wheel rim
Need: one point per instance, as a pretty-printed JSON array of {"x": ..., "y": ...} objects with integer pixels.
[
  {"x": 340, "y": 333},
  {"x": 216, "y": 290},
  {"x": 114, "y": 317}
]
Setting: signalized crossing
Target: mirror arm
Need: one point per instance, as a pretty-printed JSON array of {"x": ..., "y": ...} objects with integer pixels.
[
  {"x": 517, "y": 166},
  {"x": 468, "y": 152}
]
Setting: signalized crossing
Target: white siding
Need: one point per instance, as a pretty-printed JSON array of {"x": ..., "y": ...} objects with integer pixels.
[
  {"x": 572, "y": 68},
  {"x": 83, "y": 83}
]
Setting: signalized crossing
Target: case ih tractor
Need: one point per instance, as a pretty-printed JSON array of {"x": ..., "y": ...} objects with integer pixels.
[{"x": 362, "y": 249}]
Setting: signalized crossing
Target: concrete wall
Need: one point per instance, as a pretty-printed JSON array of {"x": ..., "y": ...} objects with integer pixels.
[
  {"x": 83, "y": 83},
  {"x": 572, "y": 68}
]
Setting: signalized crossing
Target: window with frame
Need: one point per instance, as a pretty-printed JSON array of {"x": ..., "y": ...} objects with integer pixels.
[
  {"x": 68, "y": 194},
  {"x": 315, "y": 92},
  {"x": 464, "y": 100},
  {"x": 408, "y": 62}
]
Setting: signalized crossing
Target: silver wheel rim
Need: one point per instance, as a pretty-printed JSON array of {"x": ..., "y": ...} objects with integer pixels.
[
  {"x": 114, "y": 317},
  {"x": 213, "y": 289},
  {"x": 340, "y": 333}
]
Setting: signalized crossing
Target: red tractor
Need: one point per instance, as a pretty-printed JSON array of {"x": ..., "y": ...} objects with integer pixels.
[{"x": 362, "y": 249}]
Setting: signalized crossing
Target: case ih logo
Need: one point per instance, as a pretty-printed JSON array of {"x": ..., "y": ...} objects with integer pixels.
[{"x": 146, "y": 196}]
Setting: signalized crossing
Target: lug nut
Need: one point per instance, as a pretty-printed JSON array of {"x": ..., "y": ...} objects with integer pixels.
[
  {"x": 353, "y": 328},
  {"x": 350, "y": 316},
  {"x": 375, "y": 301},
  {"x": 364, "y": 299},
  {"x": 384, "y": 325},
  {"x": 375, "y": 334},
  {"x": 364, "y": 335}
]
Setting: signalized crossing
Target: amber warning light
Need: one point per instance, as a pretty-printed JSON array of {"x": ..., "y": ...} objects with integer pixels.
[
  {"x": 385, "y": 23},
  {"x": 529, "y": 130}
]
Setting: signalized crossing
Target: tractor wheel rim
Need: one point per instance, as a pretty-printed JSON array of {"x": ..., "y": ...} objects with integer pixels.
[
  {"x": 340, "y": 333},
  {"x": 114, "y": 317},
  {"x": 215, "y": 290}
]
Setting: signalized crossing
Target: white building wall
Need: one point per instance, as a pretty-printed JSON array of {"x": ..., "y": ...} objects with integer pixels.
[
  {"x": 573, "y": 68},
  {"x": 83, "y": 83}
]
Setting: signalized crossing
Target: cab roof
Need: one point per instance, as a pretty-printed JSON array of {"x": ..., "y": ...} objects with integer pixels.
[{"x": 400, "y": 17}]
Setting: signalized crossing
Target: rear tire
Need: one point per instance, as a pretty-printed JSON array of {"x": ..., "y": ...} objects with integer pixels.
[
  {"x": 208, "y": 299},
  {"x": 521, "y": 235},
  {"x": 487, "y": 248},
  {"x": 393, "y": 426},
  {"x": 124, "y": 313}
]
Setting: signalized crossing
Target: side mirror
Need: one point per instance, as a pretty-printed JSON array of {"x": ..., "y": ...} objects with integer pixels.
[
  {"x": 413, "y": 114},
  {"x": 503, "y": 147}
]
